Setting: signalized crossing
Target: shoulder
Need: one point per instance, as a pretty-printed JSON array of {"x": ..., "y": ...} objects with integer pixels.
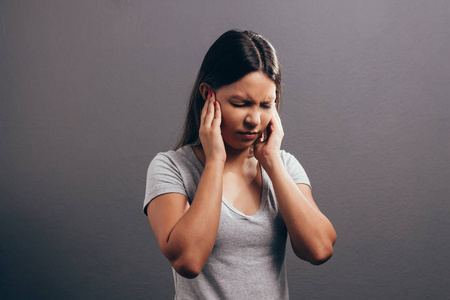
[
  {"x": 172, "y": 166},
  {"x": 179, "y": 158},
  {"x": 294, "y": 168},
  {"x": 285, "y": 155},
  {"x": 179, "y": 167},
  {"x": 288, "y": 158},
  {"x": 172, "y": 172},
  {"x": 172, "y": 154}
]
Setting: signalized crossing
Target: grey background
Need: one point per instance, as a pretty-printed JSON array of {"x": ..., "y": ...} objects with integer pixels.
[{"x": 90, "y": 91}]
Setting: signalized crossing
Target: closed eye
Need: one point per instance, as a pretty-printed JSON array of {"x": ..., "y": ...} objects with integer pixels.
[
  {"x": 263, "y": 105},
  {"x": 239, "y": 105}
]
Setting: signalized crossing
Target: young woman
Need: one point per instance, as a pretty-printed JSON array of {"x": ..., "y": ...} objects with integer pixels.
[{"x": 222, "y": 203}]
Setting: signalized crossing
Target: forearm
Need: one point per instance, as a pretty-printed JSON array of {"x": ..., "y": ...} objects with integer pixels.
[
  {"x": 312, "y": 234},
  {"x": 192, "y": 239}
]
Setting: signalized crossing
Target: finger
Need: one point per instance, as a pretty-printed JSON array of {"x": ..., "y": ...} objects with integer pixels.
[
  {"x": 278, "y": 122},
  {"x": 210, "y": 111},
  {"x": 275, "y": 123},
  {"x": 276, "y": 131},
  {"x": 218, "y": 113},
  {"x": 269, "y": 128},
  {"x": 259, "y": 140},
  {"x": 205, "y": 107},
  {"x": 259, "y": 144},
  {"x": 204, "y": 110}
]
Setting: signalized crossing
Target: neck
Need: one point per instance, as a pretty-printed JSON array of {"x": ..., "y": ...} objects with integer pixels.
[
  {"x": 239, "y": 160},
  {"x": 238, "y": 155}
]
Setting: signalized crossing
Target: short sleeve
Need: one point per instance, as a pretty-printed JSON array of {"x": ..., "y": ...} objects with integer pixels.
[
  {"x": 163, "y": 176},
  {"x": 294, "y": 168}
]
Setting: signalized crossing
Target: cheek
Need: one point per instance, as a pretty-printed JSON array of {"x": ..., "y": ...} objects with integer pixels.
[
  {"x": 229, "y": 117},
  {"x": 265, "y": 118},
  {"x": 227, "y": 121},
  {"x": 225, "y": 113}
]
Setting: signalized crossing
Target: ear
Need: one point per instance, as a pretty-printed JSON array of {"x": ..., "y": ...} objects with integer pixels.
[{"x": 204, "y": 89}]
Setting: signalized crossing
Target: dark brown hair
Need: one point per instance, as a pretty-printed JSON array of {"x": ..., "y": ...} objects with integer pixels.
[{"x": 232, "y": 56}]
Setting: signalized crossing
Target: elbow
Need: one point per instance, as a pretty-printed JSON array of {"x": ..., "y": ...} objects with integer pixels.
[
  {"x": 324, "y": 253},
  {"x": 188, "y": 268},
  {"x": 316, "y": 257},
  {"x": 320, "y": 258},
  {"x": 186, "y": 262}
]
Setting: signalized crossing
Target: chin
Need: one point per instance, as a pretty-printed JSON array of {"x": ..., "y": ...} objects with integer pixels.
[{"x": 239, "y": 145}]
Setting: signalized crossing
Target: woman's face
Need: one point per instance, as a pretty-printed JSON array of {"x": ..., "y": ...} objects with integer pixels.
[{"x": 247, "y": 107}]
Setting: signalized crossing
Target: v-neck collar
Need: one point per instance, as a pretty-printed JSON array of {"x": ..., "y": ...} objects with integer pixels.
[{"x": 264, "y": 188}]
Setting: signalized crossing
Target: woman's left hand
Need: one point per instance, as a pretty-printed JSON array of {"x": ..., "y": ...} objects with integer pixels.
[{"x": 269, "y": 149}]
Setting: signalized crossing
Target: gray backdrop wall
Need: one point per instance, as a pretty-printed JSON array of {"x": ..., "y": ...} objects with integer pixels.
[{"x": 90, "y": 91}]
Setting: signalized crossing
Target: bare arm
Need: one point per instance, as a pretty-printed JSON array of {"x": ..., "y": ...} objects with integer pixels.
[
  {"x": 312, "y": 234},
  {"x": 186, "y": 233}
]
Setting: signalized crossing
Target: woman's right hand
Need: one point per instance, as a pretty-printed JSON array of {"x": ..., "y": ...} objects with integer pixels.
[{"x": 210, "y": 133}]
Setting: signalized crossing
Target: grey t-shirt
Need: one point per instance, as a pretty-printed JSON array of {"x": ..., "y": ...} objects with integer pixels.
[{"x": 248, "y": 258}]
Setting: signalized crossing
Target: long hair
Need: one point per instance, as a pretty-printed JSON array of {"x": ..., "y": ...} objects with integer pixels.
[{"x": 232, "y": 56}]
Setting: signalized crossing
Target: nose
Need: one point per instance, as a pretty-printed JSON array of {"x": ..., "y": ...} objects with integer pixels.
[{"x": 253, "y": 118}]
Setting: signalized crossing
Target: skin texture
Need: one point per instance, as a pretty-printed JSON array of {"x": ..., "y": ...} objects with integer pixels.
[
  {"x": 247, "y": 105},
  {"x": 186, "y": 233}
]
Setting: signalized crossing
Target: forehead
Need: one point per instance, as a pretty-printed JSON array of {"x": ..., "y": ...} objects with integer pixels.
[{"x": 253, "y": 86}]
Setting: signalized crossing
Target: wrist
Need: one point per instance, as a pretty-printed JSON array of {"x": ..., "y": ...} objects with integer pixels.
[
  {"x": 215, "y": 163},
  {"x": 272, "y": 163}
]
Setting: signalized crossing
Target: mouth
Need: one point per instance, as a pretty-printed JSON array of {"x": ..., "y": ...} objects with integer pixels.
[{"x": 249, "y": 135}]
